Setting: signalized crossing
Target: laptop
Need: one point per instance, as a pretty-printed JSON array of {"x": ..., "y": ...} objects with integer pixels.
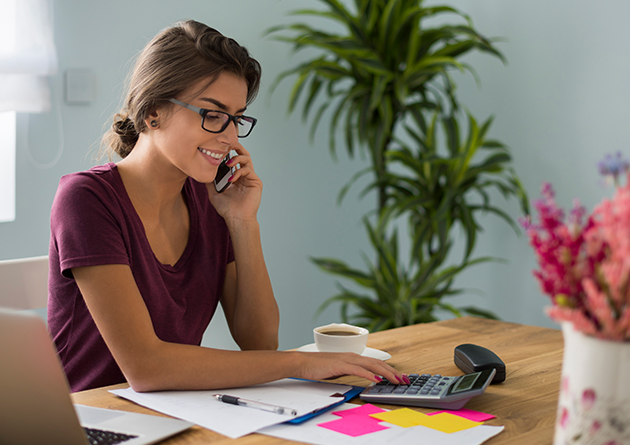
[{"x": 35, "y": 403}]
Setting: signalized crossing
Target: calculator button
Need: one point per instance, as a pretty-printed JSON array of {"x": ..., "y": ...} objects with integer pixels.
[
  {"x": 424, "y": 391},
  {"x": 374, "y": 390},
  {"x": 400, "y": 390},
  {"x": 387, "y": 389}
]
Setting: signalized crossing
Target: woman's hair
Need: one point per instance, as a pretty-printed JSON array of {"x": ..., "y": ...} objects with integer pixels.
[{"x": 177, "y": 58}]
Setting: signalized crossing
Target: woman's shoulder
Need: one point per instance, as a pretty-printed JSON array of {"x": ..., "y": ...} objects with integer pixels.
[
  {"x": 102, "y": 181},
  {"x": 99, "y": 173},
  {"x": 96, "y": 178}
]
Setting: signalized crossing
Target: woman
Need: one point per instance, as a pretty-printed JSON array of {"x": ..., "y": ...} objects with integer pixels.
[{"x": 144, "y": 249}]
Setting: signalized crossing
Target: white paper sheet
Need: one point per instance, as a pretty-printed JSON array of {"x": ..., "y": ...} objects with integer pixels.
[
  {"x": 201, "y": 408},
  {"x": 309, "y": 432}
]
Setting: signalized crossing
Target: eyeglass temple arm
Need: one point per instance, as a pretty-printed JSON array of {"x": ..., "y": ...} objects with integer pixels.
[{"x": 185, "y": 105}]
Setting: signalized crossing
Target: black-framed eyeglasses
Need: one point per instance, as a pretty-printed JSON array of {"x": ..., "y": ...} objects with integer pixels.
[{"x": 215, "y": 121}]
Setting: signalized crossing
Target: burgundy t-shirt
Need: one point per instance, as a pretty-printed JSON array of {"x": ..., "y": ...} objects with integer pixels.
[{"x": 93, "y": 223}]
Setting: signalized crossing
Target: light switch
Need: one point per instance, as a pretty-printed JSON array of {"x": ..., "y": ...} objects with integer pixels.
[{"x": 80, "y": 86}]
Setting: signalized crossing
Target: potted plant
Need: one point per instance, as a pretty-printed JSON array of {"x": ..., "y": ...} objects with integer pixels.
[{"x": 385, "y": 82}]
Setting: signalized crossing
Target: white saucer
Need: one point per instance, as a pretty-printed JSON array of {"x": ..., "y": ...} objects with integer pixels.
[{"x": 369, "y": 352}]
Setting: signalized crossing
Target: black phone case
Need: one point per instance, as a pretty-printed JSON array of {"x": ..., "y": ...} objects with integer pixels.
[{"x": 223, "y": 173}]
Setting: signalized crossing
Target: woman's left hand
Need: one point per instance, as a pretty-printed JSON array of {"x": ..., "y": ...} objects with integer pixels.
[{"x": 241, "y": 199}]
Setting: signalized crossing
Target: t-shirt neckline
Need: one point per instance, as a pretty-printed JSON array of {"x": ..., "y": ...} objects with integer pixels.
[{"x": 192, "y": 215}]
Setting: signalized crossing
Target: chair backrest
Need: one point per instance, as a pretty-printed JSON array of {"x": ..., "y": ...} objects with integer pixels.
[{"x": 24, "y": 283}]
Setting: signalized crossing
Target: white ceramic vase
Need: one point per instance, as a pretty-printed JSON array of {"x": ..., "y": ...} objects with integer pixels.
[{"x": 594, "y": 402}]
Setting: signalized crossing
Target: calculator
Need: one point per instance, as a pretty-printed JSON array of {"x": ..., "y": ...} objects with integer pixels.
[{"x": 430, "y": 391}]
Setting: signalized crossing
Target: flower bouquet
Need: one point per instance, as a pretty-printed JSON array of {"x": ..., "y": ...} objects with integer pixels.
[
  {"x": 584, "y": 262},
  {"x": 584, "y": 267}
]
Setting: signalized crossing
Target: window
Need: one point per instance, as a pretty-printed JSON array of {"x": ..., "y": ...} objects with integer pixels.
[
  {"x": 7, "y": 166},
  {"x": 27, "y": 57}
]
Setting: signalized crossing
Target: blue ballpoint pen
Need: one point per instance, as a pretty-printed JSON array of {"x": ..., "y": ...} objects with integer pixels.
[{"x": 253, "y": 404}]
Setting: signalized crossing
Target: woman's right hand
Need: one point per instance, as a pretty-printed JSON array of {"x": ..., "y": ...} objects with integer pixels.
[{"x": 328, "y": 365}]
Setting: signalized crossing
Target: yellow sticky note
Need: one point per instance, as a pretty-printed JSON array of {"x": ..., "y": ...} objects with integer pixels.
[
  {"x": 450, "y": 423},
  {"x": 445, "y": 422},
  {"x": 404, "y": 417}
]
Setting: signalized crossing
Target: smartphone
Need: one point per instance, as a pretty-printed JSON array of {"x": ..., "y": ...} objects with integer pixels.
[{"x": 224, "y": 173}]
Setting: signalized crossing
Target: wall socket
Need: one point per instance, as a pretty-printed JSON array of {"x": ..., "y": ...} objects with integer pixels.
[{"x": 80, "y": 86}]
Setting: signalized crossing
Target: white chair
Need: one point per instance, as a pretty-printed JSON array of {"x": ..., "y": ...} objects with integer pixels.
[{"x": 24, "y": 283}]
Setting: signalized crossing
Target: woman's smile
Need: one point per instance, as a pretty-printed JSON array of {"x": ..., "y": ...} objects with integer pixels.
[{"x": 213, "y": 157}]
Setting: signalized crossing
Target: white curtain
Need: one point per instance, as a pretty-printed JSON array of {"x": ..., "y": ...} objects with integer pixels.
[{"x": 27, "y": 55}]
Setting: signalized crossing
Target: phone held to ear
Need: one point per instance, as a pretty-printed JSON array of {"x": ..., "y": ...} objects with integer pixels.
[{"x": 224, "y": 173}]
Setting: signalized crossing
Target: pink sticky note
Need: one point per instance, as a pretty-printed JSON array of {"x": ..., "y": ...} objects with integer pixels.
[
  {"x": 475, "y": 416},
  {"x": 363, "y": 410},
  {"x": 354, "y": 425}
]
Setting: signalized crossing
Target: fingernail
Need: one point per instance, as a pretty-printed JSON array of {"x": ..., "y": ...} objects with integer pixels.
[
  {"x": 407, "y": 381},
  {"x": 231, "y": 177},
  {"x": 378, "y": 378}
]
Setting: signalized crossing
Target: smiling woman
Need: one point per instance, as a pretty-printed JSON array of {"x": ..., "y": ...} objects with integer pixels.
[{"x": 143, "y": 250}]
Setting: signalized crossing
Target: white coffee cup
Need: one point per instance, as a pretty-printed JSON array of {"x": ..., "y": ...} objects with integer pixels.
[{"x": 340, "y": 337}]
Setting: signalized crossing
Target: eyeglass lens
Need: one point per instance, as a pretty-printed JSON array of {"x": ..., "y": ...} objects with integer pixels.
[{"x": 217, "y": 121}]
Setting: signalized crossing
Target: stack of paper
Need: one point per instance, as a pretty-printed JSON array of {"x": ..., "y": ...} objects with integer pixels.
[
  {"x": 203, "y": 409},
  {"x": 347, "y": 424}
]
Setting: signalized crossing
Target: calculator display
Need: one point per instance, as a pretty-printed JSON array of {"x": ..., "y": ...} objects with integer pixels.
[{"x": 465, "y": 383}]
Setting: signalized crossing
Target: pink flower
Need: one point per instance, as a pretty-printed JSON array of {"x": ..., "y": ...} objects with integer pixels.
[
  {"x": 584, "y": 263},
  {"x": 565, "y": 385},
  {"x": 588, "y": 398},
  {"x": 595, "y": 427},
  {"x": 564, "y": 418}
]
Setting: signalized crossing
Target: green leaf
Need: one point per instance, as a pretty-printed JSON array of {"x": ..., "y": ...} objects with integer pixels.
[
  {"x": 351, "y": 182},
  {"x": 480, "y": 313}
]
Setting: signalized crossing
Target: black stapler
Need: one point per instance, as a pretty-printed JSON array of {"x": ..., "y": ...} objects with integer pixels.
[{"x": 473, "y": 358}]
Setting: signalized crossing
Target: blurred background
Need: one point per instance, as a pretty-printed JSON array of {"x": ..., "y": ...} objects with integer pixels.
[{"x": 560, "y": 103}]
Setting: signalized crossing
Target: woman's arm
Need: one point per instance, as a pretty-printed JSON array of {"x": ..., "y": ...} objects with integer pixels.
[
  {"x": 150, "y": 364},
  {"x": 247, "y": 299}
]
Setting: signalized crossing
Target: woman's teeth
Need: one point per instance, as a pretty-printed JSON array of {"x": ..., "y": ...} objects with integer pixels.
[{"x": 211, "y": 154}]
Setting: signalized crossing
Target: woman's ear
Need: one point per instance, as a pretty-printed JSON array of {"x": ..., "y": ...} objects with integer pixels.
[{"x": 153, "y": 119}]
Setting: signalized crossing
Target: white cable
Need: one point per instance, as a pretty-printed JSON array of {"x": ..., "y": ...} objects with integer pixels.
[{"x": 55, "y": 160}]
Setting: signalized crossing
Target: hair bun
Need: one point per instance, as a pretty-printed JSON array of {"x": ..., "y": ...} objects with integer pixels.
[
  {"x": 125, "y": 128},
  {"x": 127, "y": 133}
]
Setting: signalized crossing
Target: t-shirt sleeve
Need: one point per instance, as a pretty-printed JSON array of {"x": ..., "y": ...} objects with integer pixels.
[{"x": 86, "y": 224}]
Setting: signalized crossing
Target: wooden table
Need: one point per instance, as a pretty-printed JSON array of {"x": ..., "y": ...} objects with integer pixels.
[{"x": 525, "y": 403}]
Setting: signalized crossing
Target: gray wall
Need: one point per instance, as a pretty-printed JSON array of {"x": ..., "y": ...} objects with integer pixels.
[{"x": 560, "y": 103}]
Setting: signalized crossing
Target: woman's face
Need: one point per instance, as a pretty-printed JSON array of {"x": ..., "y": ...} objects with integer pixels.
[{"x": 181, "y": 139}]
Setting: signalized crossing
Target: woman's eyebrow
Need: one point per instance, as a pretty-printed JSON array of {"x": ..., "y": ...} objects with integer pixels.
[{"x": 220, "y": 104}]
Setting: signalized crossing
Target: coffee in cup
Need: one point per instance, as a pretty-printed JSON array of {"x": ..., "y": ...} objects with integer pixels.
[{"x": 340, "y": 337}]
